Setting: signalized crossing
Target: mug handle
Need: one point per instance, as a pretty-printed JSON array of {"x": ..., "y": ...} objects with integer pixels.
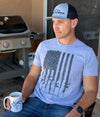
[{"x": 4, "y": 104}]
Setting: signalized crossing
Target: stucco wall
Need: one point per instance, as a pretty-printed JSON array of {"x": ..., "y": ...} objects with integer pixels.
[
  {"x": 37, "y": 15},
  {"x": 31, "y": 10}
]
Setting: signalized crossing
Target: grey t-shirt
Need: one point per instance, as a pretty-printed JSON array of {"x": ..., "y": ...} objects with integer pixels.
[{"x": 63, "y": 67}]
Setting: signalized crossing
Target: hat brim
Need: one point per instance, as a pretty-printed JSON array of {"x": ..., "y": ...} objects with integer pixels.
[{"x": 49, "y": 18}]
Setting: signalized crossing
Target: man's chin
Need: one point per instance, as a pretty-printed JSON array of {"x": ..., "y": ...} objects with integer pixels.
[{"x": 58, "y": 37}]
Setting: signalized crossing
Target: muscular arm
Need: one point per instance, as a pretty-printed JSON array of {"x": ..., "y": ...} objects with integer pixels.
[
  {"x": 90, "y": 91},
  {"x": 30, "y": 81}
]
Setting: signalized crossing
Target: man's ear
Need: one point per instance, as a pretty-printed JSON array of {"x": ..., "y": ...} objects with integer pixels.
[{"x": 74, "y": 22}]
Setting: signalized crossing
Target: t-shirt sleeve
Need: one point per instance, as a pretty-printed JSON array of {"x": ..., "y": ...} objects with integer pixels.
[
  {"x": 37, "y": 60},
  {"x": 91, "y": 64}
]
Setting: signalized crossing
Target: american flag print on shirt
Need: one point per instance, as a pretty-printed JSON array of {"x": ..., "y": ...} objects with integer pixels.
[{"x": 56, "y": 71}]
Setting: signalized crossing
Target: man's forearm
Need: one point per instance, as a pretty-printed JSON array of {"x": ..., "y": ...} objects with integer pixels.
[
  {"x": 30, "y": 81},
  {"x": 90, "y": 91},
  {"x": 87, "y": 99},
  {"x": 28, "y": 86}
]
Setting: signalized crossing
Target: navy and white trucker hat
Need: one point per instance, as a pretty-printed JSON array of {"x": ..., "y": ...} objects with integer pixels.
[{"x": 64, "y": 11}]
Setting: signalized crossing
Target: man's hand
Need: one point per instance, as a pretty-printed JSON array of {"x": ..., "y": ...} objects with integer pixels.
[
  {"x": 23, "y": 99},
  {"x": 8, "y": 103},
  {"x": 73, "y": 113}
]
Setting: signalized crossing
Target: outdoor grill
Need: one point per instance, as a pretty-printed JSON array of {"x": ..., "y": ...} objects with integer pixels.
[{"x": 14, "y": 44}]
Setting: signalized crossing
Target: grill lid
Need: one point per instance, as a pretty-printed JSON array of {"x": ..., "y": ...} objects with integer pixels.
[{"x": 12, "y": 25}]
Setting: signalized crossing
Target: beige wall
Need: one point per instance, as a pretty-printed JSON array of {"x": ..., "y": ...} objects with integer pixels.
[
  {"x": 31, "y": 10},
  {"x": 37, "y": 15}
]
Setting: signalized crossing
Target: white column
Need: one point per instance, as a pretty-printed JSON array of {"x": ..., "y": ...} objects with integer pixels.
[
  {"x": 44, "y": 20},
  {"x": 98, "y": 95}
]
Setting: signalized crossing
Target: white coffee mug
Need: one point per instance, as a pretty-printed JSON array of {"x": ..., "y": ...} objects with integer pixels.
[{"x": 15, "y": 101}]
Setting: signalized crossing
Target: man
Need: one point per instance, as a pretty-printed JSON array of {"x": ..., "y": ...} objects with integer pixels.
[{"x": 61, "y": 68}]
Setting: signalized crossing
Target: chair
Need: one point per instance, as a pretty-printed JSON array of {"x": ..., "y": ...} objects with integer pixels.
[{"x": 89, "y": 111}]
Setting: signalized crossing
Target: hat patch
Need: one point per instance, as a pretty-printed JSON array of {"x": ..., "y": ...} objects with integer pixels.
[{"x": 58, "y": 11}]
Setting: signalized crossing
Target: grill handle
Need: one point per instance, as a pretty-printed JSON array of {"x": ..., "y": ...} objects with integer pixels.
[{"x": 8, "y": 51}]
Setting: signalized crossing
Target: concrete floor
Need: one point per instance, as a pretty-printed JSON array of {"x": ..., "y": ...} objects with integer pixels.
[{"x": 15, "y": 84}]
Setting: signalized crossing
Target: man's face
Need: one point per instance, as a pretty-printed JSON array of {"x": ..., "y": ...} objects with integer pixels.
[{"x": 62, "y": 28}]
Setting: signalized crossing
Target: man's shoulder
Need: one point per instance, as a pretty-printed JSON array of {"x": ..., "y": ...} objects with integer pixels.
[
  {"x": 83, "y": 45},
  {"x": 49, "y": 41}
]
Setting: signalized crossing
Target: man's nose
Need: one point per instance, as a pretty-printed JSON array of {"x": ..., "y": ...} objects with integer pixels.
[{"x": 55, "y": 26}]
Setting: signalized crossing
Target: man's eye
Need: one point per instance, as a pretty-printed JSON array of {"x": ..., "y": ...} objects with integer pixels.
[{"x": 60, "y": 21}]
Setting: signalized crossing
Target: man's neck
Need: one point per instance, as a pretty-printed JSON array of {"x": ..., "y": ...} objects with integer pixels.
[{"x": 67, "y": 41}]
